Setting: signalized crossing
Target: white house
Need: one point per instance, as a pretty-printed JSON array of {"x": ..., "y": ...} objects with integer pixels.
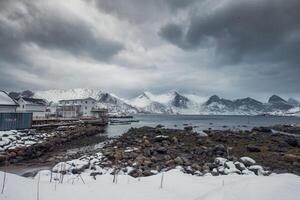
[
  {"x": 77, "y": 107},
  {"x": 7, "y": 104},
  {"x": 36, "y": 106}
]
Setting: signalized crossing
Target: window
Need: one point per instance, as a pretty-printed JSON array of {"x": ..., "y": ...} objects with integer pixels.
[
  {"x": 85, "y": 107},
  {"x": 85, "y": 102}
]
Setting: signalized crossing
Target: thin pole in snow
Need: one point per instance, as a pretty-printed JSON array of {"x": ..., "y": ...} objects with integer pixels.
[
  {"x": 162, "y": 180},
  {"x": 38, "y": 187},
  {"x": 4, "y": 177}
]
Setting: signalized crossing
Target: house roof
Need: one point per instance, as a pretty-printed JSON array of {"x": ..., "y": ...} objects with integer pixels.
[
  {"x": 34, "y": 101},
  {"x": 7, "y": 100}
]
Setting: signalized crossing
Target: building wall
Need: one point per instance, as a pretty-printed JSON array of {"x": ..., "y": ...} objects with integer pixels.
[
  {"x": 38, "y": 111},
  {"x": 86, "y": 106},
  {"x": 7, "y": 109}
]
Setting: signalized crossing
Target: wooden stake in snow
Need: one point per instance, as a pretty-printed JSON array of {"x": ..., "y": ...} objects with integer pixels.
[
  {"x": 162, "y": 180},
  {"x": 51, "y": 175},
  {"x": 4, "y": 178},
  {"x": 38, "y": 188},
  {"x": 3, "y": 183}
]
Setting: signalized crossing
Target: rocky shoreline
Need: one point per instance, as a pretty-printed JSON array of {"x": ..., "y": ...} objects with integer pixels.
[
  {"x": 18, "y": 147},
  {"x": 146, "y": 151}
]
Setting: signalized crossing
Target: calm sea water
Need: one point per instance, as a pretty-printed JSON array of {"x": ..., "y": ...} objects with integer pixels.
[{"x": 202, "y": 122}]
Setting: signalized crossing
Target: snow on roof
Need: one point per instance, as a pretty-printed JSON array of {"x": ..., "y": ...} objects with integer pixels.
[
  {"x": 34, "y": 101},
  {"x": 6, "y": 100}
]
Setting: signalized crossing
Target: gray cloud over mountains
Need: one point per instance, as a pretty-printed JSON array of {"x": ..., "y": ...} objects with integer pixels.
[{"x": 230, "y": 47}]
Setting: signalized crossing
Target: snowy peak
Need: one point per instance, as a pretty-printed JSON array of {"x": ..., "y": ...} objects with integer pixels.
[
  {"x": 217, "y": 100},
  {"x": 274, "y": 99},
  {"x": 107, "y": 98},
  {"x": 180, "y": 101},
  {"x": 247, "y": 105},
  {"x": 278, "y": 103}
]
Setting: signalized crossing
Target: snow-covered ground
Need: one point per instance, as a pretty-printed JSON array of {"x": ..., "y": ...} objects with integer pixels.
[
  {"x": 14, "y": 139},
  {"x": 176, "y": 186}
]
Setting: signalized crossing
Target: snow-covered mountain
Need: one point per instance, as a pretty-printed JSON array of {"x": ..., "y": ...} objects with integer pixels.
[
  {"x": 58, "y": 94},
  {"x": 277, "y": 103},
  {"x": 169, "y": 103},
  {"x": 245, "y": 106},
  {"x": 115, "y": 104},
  {"x": 176, "y": 103},
  {"x": 145, "y": 104}
]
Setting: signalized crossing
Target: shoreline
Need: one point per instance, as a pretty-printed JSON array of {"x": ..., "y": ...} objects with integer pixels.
[{"x": 276, "y": 152}]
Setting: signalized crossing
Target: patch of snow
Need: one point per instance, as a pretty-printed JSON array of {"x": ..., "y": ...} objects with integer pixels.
[{"x": 176, "y": 186}]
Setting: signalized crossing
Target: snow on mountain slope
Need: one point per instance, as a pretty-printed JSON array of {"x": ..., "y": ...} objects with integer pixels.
[
  {"x": 170, "y": 102},
  {"x": 58, "y": 94},
  {"x": 115, "y": 104},
  {"x": 175, "y": 103},
  {"x": 147, "y": 105}
]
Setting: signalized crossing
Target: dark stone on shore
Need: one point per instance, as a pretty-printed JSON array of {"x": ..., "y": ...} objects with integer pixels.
[
  {"x": 160, "y": 126},
  {"x": 188, "y": 128},
  {"x": 219, "y": 150},
  {"x": 294, "y": 142},
  {"x": 262, "y": 129},
  {"x": 253, "y": 148}
]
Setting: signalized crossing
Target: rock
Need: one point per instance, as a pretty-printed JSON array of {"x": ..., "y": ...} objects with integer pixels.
[
  {"x": 147, "y": 173},
  {"x": 12, "y": 155},
  {"x": 230, "y": 168},
  {"x": 240, "y": 166},
  {"x": 94, "y": 174},
  {"x": 147, "y": 143},
  {"x": 2, "y": 158},
  {"x": 215, "y": 172},
  {"x": 175, "y": 140},
  {"x": 161, "y": 150},
  {"x": 291, "y": 158},
  {"x": 159, "y": 126},
  {"x": 220, "y": 161},
  {"x": 247, "y": 161},
  {"x": 247, "y": 172},
  {"x": 262, "y": 129},
  {"x": 219, "y": 149},
  {"x": 257, "y": 169},
  {"x": 294, "y": 142},
  {"x": 160, "y": 138},
  {"x": 178, "y": 160},
  {"x": 196, "y": 167},
  {"x": 188, "y": 128},
  {"x": 253, "y": 148}
]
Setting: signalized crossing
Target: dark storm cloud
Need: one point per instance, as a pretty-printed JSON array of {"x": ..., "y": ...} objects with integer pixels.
[
  {"x": 50, "y": 30},
  {"x": 141, "y": 11},
  {"x": 243, "y": 31}
]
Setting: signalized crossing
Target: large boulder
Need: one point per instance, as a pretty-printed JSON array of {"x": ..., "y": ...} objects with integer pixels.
[{"x": 247, "y": 161}]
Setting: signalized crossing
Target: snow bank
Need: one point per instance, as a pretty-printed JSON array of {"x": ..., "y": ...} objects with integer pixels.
[
  {"x": 176, "y": 186},
  {"x": 12, "y": 139}
]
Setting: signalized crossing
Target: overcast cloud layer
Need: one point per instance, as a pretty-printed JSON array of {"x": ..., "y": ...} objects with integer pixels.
[{"x": 234, "y": 48}]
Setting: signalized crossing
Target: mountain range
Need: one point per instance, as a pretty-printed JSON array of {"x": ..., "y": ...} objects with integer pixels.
[{"x": 173, "y": 103}]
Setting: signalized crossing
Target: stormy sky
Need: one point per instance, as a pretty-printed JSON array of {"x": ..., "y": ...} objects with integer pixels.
[{"x": 233, "y": 48}]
